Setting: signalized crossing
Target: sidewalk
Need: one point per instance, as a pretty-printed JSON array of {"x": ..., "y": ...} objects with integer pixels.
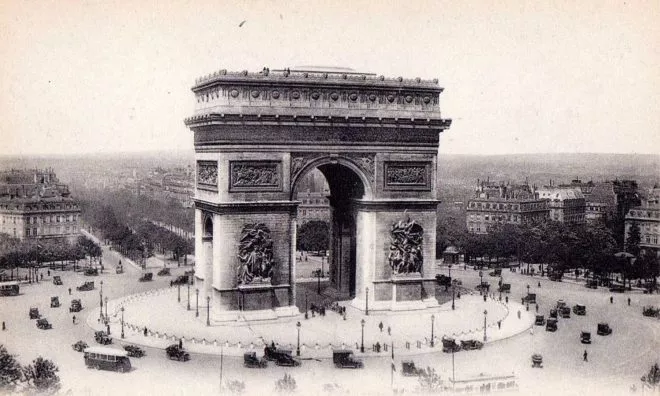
[{"x": 410, "y": 331}]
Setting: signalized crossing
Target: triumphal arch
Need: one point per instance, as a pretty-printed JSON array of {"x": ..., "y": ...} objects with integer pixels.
[{"x": 375, "y": 139}]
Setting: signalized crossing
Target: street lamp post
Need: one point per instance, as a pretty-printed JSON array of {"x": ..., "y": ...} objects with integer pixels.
[
  {"x": 527, "y": 290},
  {"x": 432, "y": 322},
  {"x": 298, "y": 346},
  {"x": 178, "y": 296},
  {"x": 107, "y": 319},
  {"x": 322, "y": 262},
  {"x": 318, "y": 285},
  {"x": 362, "y": 343},
  {"x": 449, "y": 271},
  {"x": 208, "y": 310},
  {"x": 366, "y": 303},
  {"x": 197, "y": 303},
  {"x": 453, "y": 294},
  {"x": 122, "y": 322},
  {"x": 485, "y": 314},
  {"x": 188, "y": 296},
  {"x": 481, "y": 281},
  {"x": 306, "y": 313},
  {"x": 101, "y": 301}
]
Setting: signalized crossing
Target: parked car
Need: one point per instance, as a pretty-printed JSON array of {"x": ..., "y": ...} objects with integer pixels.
[
  {"x": 540, "y": 320},
  {"x": 180, "y": 280},
  {"x": 553, "y": 313},
  {"x": 560, "y": 304},
  {"x": 79, "y": 346},
  {"x": 565, "y": 312},
  {"x": 529, "y": 298},
  {"x": 57, "y": 280},
  {"x": 585, "y": 337},
  {"x": 102, "y": 338},
  {"x": 651, "y": 311},
  {"x": 92, "y": 271},
  {"x": 408, "y": 369},
  {"x": 579, "y": 309},
  {"x": 34, "y": 313},
  {"x": 484, "y": 286},
  {"x": 43, "y": 324},
  {"x": 250, "y": 360},
  {"x": 87, "y": 286},
  {"x": 76, "y": 306},
  {"x": 175, "y": 353},
  {"x": 551, "y": 325},
  {"x": 471, "y": 344},
  {"x": 285, "y": 359},
  {"x": 119, "y": 269},
  {"x": 604, "y": 329},
  {"x": 505, "y": 288},
  {"x": 164, "y": 272},
  {"x": 146, "y": 277},
  {"x": 443, "y": 280},
  {"x": 496, "y": 272},
  {"x": 134, "y": 351},
  {"x": 617, "y": 288},
  {"x": 450, "y": 345},
  {"x": 537, "y": 360},
  {"x": 344, "y": 358},
  {"x": 54, "y": 302}
]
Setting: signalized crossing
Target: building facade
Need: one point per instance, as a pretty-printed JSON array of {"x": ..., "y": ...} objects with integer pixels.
[
  {"x": 647, "y": 217},
  {"x": 607, "y": 199},
  {"x": 503, "y": 203},
  {"x": 314, "y": 206},
  {"x": 566, "y": 205},
  {"x": 35, "y": 205}
]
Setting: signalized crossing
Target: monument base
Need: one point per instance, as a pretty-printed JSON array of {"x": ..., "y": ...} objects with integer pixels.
[{"x": 221, "y": 318}]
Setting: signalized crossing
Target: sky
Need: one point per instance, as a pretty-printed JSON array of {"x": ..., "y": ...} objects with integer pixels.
[{"x": 519, "y": 76}]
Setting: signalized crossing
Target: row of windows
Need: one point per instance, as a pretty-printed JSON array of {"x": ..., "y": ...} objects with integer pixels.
[
  {"x": 644, "y": 213},
  {"x": 40, "y": 207},
  {"x": 500, "y": 206},
  {"x": 49, "y": 230},
  {"x": 651, "y": 239}
]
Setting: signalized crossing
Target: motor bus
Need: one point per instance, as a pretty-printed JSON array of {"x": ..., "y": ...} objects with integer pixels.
[
  {"x": 10, "y": 288},
  {"x": 105, "y": 358}
]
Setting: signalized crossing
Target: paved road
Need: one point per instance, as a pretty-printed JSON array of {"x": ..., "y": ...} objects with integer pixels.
[{"x": 615, "y": 361}]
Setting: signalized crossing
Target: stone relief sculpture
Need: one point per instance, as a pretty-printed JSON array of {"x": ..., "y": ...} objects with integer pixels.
[
  {"x": 255, "y": 252},
  {"x": 405, "y": 255},
  {"x": 207, "y": 173},
  {"x": 415, "y": 175},
  {"x": 255, "y": 175}
]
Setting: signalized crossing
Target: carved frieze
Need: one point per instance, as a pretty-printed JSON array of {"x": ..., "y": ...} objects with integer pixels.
[
  {"x": 255, "y": 176},
  {"x": 406, "y": 175},
  {"x": 255, "y": 253},
  {"x": 405, "y": 256},
  {"x": 207, "y": 175}
]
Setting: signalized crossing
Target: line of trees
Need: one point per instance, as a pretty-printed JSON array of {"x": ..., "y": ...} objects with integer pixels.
[{"x": 313, "y": 236}]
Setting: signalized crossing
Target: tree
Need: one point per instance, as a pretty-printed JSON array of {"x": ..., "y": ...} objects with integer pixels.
[
  {"x": 286, "y": 384},
  {"x": 42, "y": 376},
  {"x": 634, "y": 239},
  {"x": 430, "y": 381},
  {"x": 652, "y": 378},
  {"x": 10, "y": 371},
  {"x": 314, "y": 236}
]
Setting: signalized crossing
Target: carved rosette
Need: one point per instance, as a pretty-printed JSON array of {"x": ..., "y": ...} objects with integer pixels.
[
  {"x": 405, "y": 256},
  {"x": 207, "y": 174},
  {"x": 255, "y": 253},
  {"x": 255, "y": 176}
]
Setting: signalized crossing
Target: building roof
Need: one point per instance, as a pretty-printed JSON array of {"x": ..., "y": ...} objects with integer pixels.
[{"x": 560, "y": 193}]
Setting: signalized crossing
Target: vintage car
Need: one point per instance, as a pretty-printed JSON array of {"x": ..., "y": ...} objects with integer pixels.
[
  {"x": 585, "y": 337},
  {"x": 540, "y": 320},
  {"x": 76, "y": 306},
  {"x": 343, "y": 358},
  {"x": 175, "y": 353},
  {"x": 164, "y": 272},
  {"x": 43, "y": 324},
  {"x": 579, "y": 309},
  {"x": 57, "y": 280},
  {"x": 496, "y": 272},
  {"x": 551, "y": 325},
  {"x": 565, "y": 312},
  {"x": 591, "y": 284},
  {"x": 560, "y": 304},
  {"x": 408, "y": 369},
  {"x": 54, "y": 302},
  {"x": 537, "y": 360},
  {"x": 92, "y": 271},
  {"x": 119, "y": 269},
  {"x": 180, "y": 280},
  {"x": 471, "y": 344},
  {"x": 34, "y": 313},
  {"x": 146, "y": 277},
  {"x": 651, "y": 311},
  {"x": 79, "y": 346},
  {"x": 483, "y": 286},
  {"x": 87, "y": 286},
  {"x": 450, "y": 345},
  {"x": 134, "y": 351},
  {"x": 102, "y": 338},
  {"x": 250, "y": 360},
  {"x": 529, "y": 298},
  {"x": 505, "y": 288},
  {"x": 617, "y": 288},
  {"x": 603, "y": 329},
  {"x": 282, "y": 357},
  {"x": 285, "y": 359},
  {"x": 443, "y": 280},
  {"x": 553, "y": 313}
]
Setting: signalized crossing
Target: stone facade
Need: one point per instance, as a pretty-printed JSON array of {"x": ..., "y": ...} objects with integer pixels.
[{"x": 374, "y": 139}]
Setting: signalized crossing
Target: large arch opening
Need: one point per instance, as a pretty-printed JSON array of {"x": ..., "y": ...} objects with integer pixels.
[{"x": 326, "y": 191}]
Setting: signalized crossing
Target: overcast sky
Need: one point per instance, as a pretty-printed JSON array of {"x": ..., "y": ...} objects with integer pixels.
[{"x": 519, "y": 77}]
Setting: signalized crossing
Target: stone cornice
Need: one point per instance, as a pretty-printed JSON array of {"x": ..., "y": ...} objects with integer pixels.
[
  {"x": 387, "y": 204},
  {"x": 247, "y": 207}
]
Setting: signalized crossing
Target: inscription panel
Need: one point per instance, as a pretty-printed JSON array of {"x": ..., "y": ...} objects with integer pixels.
[
  {"x": 255, "y": 176},
  {"x": 207, "y": 175},
  {"x": 407, "y": 175}
]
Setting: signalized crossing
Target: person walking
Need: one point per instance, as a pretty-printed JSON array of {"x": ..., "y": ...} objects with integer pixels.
[
  {"x": 380, "y": 326},
  {"x": 3, "y": 326},
  {"x": 628, "y": 301},
  {"x": 145, "y": 331},
  {"x": 74, "y": 319},
  {"x": 180, "y": 343},
  {"x": 584, "y": 356},
  {"x": 69, "y": 291},
  {"x": 611, "y": 300},
  {"x": 389, "y": 331}
]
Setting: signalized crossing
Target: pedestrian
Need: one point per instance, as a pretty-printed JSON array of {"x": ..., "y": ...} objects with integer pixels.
[
  {"x": 42, "y": 276},
  {"x": 3, "y": 326},
  {"x": 74, "y": 319},
  {"x": 48, "y": 272},
  {"x": 389, "y": 331},
  {"x": 584, "y": 356},
  {"x": 539, "y": 285},
  {"x": 537, "y": 308},
  {"x": 499, "y": 324},
  {"x": 380, "y": 326},
  {"x": 180, "y": 343},
  {"x": 107, "y": 325},
  {"x": 628, "y": 301},
  {"x": 611, "y": 300},
  {"x": 145, "y": 331},
  {"x": 518, "y": 314},
  {"x": 506, "y": 299},
  {"x": 69, "y": 291}
]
